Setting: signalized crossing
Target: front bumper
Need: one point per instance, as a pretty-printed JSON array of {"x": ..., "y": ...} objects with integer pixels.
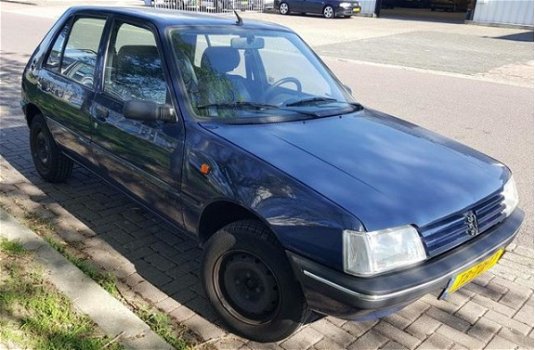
[
  {"x": 347, "y": 11},
  {"x": 338, "y": 294}
]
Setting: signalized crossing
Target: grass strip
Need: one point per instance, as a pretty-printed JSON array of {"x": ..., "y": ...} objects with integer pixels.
[
  {"x": 159, "y": 322},
  {"x": 33, "y": 314}
]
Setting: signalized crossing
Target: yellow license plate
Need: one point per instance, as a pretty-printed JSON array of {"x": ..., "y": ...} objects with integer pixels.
[
  {"x": 468, "y": 275},
  {"x": 356, "y": 9}
]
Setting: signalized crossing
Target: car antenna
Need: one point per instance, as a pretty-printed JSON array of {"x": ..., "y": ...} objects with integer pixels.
[{"x": 239, "y": 21}]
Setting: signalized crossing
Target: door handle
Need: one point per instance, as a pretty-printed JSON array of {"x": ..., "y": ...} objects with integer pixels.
[{"x": 101, "y": 113}]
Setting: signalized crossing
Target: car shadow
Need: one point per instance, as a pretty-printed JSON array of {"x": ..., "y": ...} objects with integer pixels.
[{"x": 524, "y": 36}]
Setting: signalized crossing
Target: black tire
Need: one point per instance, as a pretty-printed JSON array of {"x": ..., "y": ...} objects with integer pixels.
[
  {"x": 249, "y": 281},
  {"x": 50, "y": 163},
  {"x": 284, "y": 8}
]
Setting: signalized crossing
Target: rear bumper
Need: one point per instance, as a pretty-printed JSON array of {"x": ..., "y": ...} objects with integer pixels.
[{"x": 335, "y": 293}]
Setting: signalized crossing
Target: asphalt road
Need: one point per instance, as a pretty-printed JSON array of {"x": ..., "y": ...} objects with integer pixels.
[{"x": 495, "y": 118}]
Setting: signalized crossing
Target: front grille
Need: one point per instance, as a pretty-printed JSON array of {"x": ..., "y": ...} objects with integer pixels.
[{"x": 446, "y": 234}]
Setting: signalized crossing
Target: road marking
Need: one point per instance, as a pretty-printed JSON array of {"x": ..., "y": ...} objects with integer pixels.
[{"x": 435, "y": 72}]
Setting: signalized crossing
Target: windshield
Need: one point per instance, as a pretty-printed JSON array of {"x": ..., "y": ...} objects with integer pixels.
[{"x": 239, "y": 74}]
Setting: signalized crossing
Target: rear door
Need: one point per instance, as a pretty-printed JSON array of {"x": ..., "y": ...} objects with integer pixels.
[
  {"x": 67, "y": 83},
  {"x": 143, "y": 157}
]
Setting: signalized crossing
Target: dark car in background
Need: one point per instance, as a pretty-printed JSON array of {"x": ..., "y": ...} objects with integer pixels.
[
  {"x": 327, "y": 8},
  {"x": 235, "y": 132}
]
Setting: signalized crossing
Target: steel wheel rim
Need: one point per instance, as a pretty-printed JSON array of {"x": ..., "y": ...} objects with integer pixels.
[
  {"x": 42, "y": 148},
  {"x": 328, "y": 12},
  {"x": 246, "y": 287},
  {"x": 284, "y": 8}
]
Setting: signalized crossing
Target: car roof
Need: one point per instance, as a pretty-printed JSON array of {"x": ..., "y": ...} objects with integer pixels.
[{"x": 166, "y": 17}]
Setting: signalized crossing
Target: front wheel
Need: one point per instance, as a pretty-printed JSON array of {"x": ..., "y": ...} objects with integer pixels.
[
  {"x": 284, "y": 9},
  {"x": 328, "y": 12},
  {"x": 249, "y": 281}
]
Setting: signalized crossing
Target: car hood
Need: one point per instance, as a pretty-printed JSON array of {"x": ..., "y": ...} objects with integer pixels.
[{"x": 385, "y": 171}]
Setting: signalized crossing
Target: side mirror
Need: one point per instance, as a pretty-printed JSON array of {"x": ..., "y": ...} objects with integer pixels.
[
  {"x": 148, "y": 110},
  {"x": 348, "y": 89}
]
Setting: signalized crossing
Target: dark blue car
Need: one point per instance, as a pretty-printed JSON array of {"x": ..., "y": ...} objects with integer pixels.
[
  {"x": 237, "y": 133},
  {"x": 327, "y": 8}
]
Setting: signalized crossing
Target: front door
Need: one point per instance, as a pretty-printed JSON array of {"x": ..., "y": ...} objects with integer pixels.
[{"x": 144, "y": 157}]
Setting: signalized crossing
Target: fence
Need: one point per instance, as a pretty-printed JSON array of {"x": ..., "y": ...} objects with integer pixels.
[{"x": 213, "y": 6}]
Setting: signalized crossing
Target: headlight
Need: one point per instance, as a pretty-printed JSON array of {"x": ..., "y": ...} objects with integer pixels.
[
  {"x": 345, "y": 4},
  {"x": 370, "y": 253},
  {"x": 510, "y": 195}
]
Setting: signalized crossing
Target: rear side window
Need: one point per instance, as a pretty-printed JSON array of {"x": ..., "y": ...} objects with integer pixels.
[
  {"x": 80, "y": 54},
  {"x": 54, "y": 57}
]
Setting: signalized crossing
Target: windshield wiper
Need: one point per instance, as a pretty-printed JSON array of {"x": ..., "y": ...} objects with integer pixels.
[
  {"x": 311, "y": 100},
  {"x": 253, "y": 105}
]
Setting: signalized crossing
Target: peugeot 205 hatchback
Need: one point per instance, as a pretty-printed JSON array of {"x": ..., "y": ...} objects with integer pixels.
[{"x": 237, "y": 133}]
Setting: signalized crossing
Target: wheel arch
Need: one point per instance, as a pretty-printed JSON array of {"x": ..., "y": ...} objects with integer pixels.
[
  {"x": 220, "y": 213},
  {"x": 31, "y": 110}
]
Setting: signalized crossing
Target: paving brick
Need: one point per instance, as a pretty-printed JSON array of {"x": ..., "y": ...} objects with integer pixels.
[
  {"x": 442, "y": 305},
  {"x": 370, "y": 340},
  {"x": 263, "y": 346},
  {"x": 525, "y": 315},
  {"x": 499, "y": 343},
  {"x": 336, "y": 321},
  {"x": 397, "y": 335},
  {"x": 508, "y": 322},
  {"x": 423, "y": 327},
  {"x": 203, "y": 307},
  {"x": 167, "y": 305},
  {"x": 471, "y": 312},
  {"x": 328, "y": 344},
  {"x": 519, "y": 259},
  {"x": 205, "y": 329},
  {"x": 516, "y": 297},
  {"x": 150, "y": 292},
  {"x": 517, "y": 338},
  {"x": 436, "y": 341},
  {"x": 484, "y": 329},
  {"x": 181, "y": 313},
  {"x": 328, "y": 329},
  {"x": 492, "y": 305},
  {"x": 505, "y": 270},
  {"x": 460, "y": 337},
  {"x": 527, "y": 252},
  {"x": 524, "y": 282},
  {"x": 397, "y": 321},
  {"x": 160, "y": 262},
  {"x": 492, "y": 290},
  {"x": 228, "y": 343},
  {"x": 303, "y": 339},
  {"x": 358, "y": 328},
  {"x": 448, "y": 319},
  {"x": 392, "y": 345}
]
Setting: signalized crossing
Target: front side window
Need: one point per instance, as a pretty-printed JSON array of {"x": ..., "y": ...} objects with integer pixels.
[
  {"x": 80, "y": 53},
  {"x": 244, "y": 74},
  {"x": 133, "y": 67}
]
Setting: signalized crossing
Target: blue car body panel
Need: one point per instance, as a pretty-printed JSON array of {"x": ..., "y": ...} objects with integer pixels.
[{"x": 385, "y": 171}]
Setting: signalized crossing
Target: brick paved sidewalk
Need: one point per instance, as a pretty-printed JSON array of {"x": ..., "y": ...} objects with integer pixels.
[{"x": 495, "y": 312}]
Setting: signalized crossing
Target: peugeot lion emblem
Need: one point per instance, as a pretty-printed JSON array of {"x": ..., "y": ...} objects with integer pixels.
[{"x": 471, "y": 222}]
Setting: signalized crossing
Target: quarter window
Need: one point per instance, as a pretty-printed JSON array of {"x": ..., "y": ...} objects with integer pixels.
[
  {"x": 54, "y": 57},
  {"x": 133, "y": 66},
  {"x": 80, "y": 55}
]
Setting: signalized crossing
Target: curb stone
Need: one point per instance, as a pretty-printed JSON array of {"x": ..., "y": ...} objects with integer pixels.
[{"x": 86, "y": 295}]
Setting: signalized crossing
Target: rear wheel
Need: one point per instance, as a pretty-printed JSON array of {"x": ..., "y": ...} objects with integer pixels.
[
  {"x": 284, "y": 9},
  {"x": 328, "y": 12},
  {"x": 51, "y": 164},
  {"x": 249, "y": 281}
]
